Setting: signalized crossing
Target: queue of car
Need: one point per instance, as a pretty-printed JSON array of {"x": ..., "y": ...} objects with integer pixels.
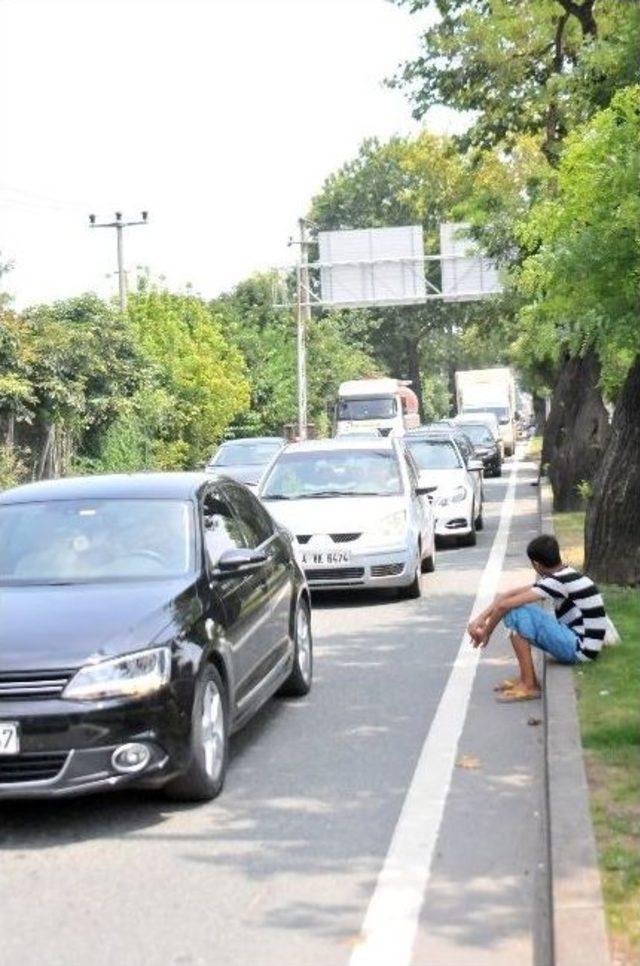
[{"x": 144, "y": 618}]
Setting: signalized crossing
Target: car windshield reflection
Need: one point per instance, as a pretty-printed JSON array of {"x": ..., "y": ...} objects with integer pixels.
[
  {"x": 81, "y": 541},
  {"x": 324, "y": 474}
]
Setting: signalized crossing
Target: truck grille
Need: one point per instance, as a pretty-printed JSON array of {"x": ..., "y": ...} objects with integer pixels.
[
  {"x": 33, "y": 685},
  {"x": 34, "y": 766},
  {"x": 344, "y": 537}
]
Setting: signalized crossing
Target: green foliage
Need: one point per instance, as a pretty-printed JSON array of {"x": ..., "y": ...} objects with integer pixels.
[
  {"x": 266, "y": 337},
  {"x": 201, "y": 374},
  {"x": 12, "y": 469},
  {"x": 525, "y": 66},
  {"x": 582, "y": 280}
]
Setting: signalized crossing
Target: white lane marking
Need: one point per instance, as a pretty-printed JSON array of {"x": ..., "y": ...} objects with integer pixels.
[{"x": 390, "y": 924}]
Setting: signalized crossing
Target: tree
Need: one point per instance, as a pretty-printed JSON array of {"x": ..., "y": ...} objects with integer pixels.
[
  {"x": 266, "y": 336},
  {"x": 537, "y": 67},
  {"x": 196, "y": 376},
  {"x": 583, "y": 283},
  {"x": 525, "y": 66}
]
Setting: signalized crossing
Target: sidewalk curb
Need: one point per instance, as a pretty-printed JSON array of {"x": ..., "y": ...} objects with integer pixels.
[{"x": 578, "y": 919}]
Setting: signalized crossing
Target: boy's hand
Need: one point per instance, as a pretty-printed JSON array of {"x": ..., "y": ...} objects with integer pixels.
[
  {"x": 477, "y": 634},
  {"x": 480, "y": 639}
]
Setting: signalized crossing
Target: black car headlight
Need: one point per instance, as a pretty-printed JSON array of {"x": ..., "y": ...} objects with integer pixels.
[{"x": 133, "y": 675}]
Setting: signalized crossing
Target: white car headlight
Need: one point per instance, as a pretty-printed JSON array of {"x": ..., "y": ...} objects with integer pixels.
[
  {"x": 133, "y": 676},
  {"x": 455, "y": 496},
  {"x": 391, "y": 527}
]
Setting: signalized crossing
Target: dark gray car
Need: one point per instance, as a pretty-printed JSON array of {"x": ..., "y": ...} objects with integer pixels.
[{"x": 245, "y": 460}]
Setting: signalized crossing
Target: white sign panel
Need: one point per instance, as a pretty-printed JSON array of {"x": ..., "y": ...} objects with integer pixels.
[
  {"x": 372, "y": 266},
  {"x": 466, "y": 274}
]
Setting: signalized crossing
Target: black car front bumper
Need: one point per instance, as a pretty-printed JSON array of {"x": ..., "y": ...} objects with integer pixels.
[{"x": 66, "y": 748}]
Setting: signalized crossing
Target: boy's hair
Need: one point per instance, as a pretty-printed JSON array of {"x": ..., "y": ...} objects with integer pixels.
[{"x": 544, "y": 550}]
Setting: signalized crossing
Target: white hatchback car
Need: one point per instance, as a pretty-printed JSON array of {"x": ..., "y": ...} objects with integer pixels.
[
  {"x": 356, "y": 512},
  {"x": 451, "y": 483}
]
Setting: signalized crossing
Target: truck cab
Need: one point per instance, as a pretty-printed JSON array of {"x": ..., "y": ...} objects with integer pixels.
[{"x": 384, "y": 406}]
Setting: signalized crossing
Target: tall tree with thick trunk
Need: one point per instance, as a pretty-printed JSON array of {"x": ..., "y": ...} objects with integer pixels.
[
  {"x": 537, "y": 67},
  {"x": 613, "y": 516},
  {"x": 574, "y": 457},
  {"x": 583, "y": 283}
]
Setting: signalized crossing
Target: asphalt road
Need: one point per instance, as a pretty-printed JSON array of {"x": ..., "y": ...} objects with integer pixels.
[{"x": 282, "y": 868}]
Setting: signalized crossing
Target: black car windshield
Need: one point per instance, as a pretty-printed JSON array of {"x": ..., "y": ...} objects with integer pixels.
[
  {"x": 372, "y": 407},
  {"x": 340, "y": 472},
  {"x": 245, "y": 454},
  {"x": 500, "y": 412},
  {"x": 434, "y": 454},
  {"x": 81, "y": 541},
  {"x": 478, "y": 433}
]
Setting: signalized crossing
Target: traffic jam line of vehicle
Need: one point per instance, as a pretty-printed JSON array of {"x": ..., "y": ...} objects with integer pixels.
[
  {"x": 171, "y": 607},
  {"x": 391, "y": 920}
]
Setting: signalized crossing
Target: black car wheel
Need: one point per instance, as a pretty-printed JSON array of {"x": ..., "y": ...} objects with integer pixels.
[
  {"x": 204, "y": 777},
  {"x": 299, "y": 681},
  {"x": 429, "y": 563},
  {"x": 479, "y": 521},
  {"x": 469, "y": 539}
]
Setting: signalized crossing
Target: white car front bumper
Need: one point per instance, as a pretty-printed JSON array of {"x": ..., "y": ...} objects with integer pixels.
[
  {"x": 454, "y": 519},
  {"x": 385, "y": 567}
]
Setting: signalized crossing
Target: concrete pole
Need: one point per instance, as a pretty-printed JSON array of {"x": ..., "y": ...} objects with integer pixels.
[
  {"x": 304, "y": 316},
  {"x": 122, "y": 279}
]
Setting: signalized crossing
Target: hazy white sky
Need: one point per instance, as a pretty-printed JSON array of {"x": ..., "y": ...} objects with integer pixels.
[{"x": 221, "y": 117}]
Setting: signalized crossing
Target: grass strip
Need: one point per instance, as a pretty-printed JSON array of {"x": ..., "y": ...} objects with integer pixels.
[{"x": 608, "y": 703}]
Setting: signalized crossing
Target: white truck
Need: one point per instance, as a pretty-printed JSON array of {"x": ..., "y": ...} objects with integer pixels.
[
  {"x": 384, "y": 406},
  {"x": 493, "y": 391}
]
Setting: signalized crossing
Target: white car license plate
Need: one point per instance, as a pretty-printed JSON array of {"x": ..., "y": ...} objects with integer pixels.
[
  {"x": 325, "y": 558},
  {"x": 9, "y": 738}
]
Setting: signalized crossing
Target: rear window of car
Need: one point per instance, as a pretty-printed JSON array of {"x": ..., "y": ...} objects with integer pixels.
[{"x": 435, "y": 454}]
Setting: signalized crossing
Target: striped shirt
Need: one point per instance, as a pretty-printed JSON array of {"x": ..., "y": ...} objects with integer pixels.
[{"x": 578, "y": 604}]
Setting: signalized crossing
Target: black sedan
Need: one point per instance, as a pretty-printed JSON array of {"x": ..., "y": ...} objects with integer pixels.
[
  {"x": 143, "y": 619},
  {"x": 485, "y": 446}
]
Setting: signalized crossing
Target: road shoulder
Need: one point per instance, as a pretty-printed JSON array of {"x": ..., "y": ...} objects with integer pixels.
[{"x": 579, "y": 931}]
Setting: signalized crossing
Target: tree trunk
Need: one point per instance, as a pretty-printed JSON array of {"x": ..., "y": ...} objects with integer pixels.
[
  {"x": 613, "y": 516},
  {"x": 413, "y": 373},
  {"x": 539, "y": 414},
  {"x": 577, "y": 430}
]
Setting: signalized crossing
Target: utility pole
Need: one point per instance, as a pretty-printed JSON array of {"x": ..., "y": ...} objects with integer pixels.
[
  {"x": 119, "y": 225},
  {"x": 304, "y": 317}
]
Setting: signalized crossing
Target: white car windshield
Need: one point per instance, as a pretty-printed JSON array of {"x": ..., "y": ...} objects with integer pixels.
[
  {"x": 81, "y": 541},
  {"x": 373, "y": 407},
  {"x": 331, "y": 473},
  {"x": 245, "y": 454},
  {"x": 434, "y": 454}
]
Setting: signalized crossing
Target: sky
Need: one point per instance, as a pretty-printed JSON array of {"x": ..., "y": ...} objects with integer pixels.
[{"x": 222, "y": 118}]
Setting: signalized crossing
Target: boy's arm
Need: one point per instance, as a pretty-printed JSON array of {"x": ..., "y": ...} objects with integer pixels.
[
  {"x": 480, "y": 634},
  {"x": 499, "y": 599}
]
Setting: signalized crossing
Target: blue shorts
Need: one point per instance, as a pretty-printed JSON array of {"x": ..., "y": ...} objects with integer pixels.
[{"x": 543, "y": 630}]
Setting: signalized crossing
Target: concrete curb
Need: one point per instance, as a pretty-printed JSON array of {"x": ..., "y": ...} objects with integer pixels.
[{"x": 578, "y": 920}]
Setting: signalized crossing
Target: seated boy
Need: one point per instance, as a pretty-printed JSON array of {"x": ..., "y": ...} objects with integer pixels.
[{"x": 576, "y": 633}]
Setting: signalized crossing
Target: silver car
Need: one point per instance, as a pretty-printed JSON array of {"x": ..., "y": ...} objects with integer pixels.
[{"x": 356, "y": 511}]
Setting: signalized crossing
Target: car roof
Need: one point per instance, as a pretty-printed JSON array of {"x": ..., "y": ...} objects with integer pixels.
[
  {"x": 248, "y": 440},
  {"x": 121, "y": 486},
  {"x": 341, "y": 443},
  {"x": 439, "y": 433}
]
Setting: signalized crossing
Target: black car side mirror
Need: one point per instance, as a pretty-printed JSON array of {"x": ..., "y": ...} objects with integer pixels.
[
  {"x": 238, "y": 563},
  {"x": 425, "y": 490}
]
